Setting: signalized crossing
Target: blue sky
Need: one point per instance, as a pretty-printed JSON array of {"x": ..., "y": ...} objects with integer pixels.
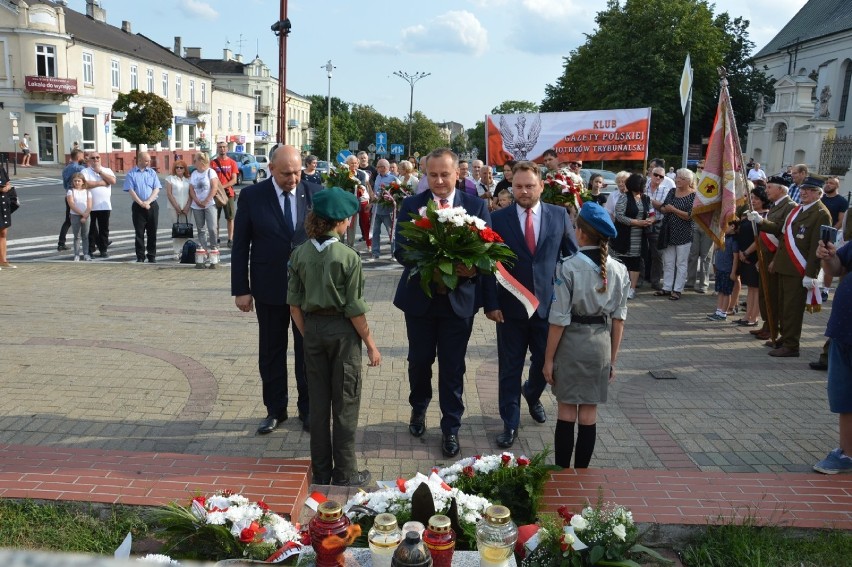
[{"x": 479, "y": 52}]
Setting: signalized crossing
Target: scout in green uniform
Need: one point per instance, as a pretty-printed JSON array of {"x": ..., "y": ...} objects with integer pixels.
[{"x": 326, "y": 297}]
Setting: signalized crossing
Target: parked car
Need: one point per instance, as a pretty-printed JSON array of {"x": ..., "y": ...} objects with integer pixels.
[
  {"x": 262, "y": 167},
  {"x": 322, "y": 166},
  {"x": 248, "y": 167}
]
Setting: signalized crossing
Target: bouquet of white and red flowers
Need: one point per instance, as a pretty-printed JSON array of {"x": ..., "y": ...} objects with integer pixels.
[
  {"x": 563, "y": 187},
  {"x": 227, "y": 526},
  {"x": 439, "y": 239},
  {"x": 392, "y": 194}
]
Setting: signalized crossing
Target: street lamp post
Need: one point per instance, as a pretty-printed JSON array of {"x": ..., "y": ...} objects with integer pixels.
[
  {"x": 411, "y": 79},
  {"x": 281, "y": 28},
  {"x": 329, "y": 68}
]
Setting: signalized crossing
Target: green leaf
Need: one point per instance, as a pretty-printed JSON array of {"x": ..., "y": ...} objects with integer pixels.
[
  {"x": 596, "y": 554},
  {"x": 639, "y": 548},
  {"x": 446, "y": 267},
  {"x": 621, "y": 563}
]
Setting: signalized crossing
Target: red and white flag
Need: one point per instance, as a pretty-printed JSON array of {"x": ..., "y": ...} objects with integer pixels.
[{"x": 721, "y": 187}]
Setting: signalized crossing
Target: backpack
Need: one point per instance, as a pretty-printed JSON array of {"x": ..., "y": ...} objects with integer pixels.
[{"x": 187, "y": 253}]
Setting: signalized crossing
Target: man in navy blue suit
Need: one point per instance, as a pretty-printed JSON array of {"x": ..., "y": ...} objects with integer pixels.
[
  {"x": 269, "y": 224},
  {"x": 443, "y": 323},
  {"x": 539, "y": 233}
]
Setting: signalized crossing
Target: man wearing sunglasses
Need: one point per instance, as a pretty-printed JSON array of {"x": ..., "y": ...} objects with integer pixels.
[{"x": 99, "y": 180}]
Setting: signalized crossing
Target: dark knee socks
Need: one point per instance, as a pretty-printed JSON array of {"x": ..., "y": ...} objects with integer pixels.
[
  {"x": 563, "y": 443},
  {"x": 586, "y": 435}
]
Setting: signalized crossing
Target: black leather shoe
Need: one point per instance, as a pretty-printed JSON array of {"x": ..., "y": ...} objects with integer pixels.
[
  {"x": 271, "y": 423},
  {"x": 417, "y": 424},
  {"x": 360, "y": 478},
  {"x": 450, "y": 445},
  {"x": 306, "y": 422},
  {"x": 818, "y": 365},
  {"x": 536, "y": 409},
  {"x": 507, "y": 438},
  {"x": 324, "y": 481}
]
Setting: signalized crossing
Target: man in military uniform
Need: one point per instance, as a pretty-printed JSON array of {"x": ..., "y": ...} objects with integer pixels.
[
  {"x": 797, "y": 265},
  {"x": 770, "y": 232}
]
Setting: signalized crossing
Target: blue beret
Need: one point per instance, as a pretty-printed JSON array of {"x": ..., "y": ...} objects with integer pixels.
[
  {"x": 812, "y": 182},
  {"x": 599, "y": 219},
  {"x": 335, "y": 204}
]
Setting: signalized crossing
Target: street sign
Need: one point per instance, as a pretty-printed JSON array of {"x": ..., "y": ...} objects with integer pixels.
[
  {"x": 353, "y": 146},
  {"x": 14, "y": 116},
  {"x": 381, "y": 138},
  {"x": 372, "y": 147},
  {"x": 397, "y": 149},
  {"x": 381, "y": 149},
  {"x": 239, "y": 148},
  {"x": 343, "y": 154},
  {"x": 106, "y": 129}
]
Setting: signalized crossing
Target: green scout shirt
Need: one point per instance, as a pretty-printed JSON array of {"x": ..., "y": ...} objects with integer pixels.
[{"x": 326, "y": 275}]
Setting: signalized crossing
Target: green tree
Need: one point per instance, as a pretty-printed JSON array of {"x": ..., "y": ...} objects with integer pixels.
[
  {"x": 515, "y": 107},
  {"x": 635, "y": 59},
  {"x": 476, "y": 137},
  {"x": 147, "y": 117}
]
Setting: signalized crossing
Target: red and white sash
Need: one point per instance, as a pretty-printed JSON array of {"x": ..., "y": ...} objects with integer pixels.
[
  {"x": 799, "y": 261},
  {"x": 770, "y": 241},
  {"x": 517, "y": 289}
]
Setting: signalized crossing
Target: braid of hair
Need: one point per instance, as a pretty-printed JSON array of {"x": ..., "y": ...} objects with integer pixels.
[{"x": 604, "y": 248}]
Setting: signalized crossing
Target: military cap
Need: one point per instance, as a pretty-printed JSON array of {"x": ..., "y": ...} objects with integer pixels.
[
  {"x": 812, "y": 182},
  {"x": 335, "y": 204},
  {"x": 778, "y": 180},
  {"x": 599, "y": 219}
]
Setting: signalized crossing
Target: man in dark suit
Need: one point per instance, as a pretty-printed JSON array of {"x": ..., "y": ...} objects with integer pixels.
[
  {"x": 539, "y": 233},
  {"x": 443, "y": 323},
  {"x": 268, "y": 225}
]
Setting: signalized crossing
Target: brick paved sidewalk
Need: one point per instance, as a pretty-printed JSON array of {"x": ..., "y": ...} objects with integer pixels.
[{"x": 155, "y": 359}]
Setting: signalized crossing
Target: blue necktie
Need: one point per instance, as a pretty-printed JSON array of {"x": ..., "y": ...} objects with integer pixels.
[{"x": 288, "y": 213}]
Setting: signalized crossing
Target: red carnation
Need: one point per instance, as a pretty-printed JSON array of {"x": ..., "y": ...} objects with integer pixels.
[
  {"x": 251, "y": 533},
  {"x": 489, "y": 235},
  {"x": 506, "y": 458},
  {"x": 565, "y": 513},
  {"x": 262, "y": 505},
  {"x": 201, "y": 500},
  {"x": 523, "y": 461},
  {"x": 468, "y": 471},
  {"x": 423, "y": 222}
]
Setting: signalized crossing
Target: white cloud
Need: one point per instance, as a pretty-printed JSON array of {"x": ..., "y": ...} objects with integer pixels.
[
  {"x": 457, "y": 31},
  {"x": 552, "y": 8},
  {"x": 372, "y": 47},
  {"x": 194, "y": 8},
  {"x": 488, "y": 3}
]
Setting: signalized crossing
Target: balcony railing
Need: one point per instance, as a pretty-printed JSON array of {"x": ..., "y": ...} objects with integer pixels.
[
  {"x": 198, "y": 107},
  {"x": 260, "y": 109}
]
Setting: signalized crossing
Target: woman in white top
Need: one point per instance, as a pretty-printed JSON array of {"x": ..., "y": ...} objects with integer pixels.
[
  {"x": 203, "y": 185},
  {"x": 80, "y": 207},
  {"x": 177, "y": 191}
]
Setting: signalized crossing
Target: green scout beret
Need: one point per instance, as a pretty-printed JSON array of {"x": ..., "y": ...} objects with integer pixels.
[{"x": 335, "y": 204}]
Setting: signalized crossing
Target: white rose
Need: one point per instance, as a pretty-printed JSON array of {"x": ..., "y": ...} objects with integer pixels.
[
  {"x": 620, "y": 532},
  {"x": 579, "y": 523}
]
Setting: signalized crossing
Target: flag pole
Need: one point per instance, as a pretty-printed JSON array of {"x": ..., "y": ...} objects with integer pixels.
[{"x": 761, "y": 259}]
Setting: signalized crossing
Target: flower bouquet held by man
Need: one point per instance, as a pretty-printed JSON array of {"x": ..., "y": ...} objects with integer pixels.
[{"x": 440, "y": 238}]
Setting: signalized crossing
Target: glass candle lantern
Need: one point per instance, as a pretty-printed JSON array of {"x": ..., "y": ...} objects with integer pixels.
[
  {"x": 496, "y": 536},
  {"x": 384, "y": 537},
  {"x": 440, "y": 538},
  {"x": 411, "y": 552},
  {"x": 328, "y": 531}
]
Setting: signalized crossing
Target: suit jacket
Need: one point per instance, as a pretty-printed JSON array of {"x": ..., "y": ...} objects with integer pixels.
[
  {"x": 466, "y": 298},
  {"x": 556, "y": 239},
  {"x": 262, "y": 242},
  {"x": 806, "y": 237}
]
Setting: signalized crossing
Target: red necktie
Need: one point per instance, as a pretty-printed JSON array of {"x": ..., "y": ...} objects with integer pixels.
[
  {"x": 445, "y": 204},
  {"x": 529, "y": 232}
]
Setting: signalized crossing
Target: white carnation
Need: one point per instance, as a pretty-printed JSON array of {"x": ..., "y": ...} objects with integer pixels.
[{"x": 620, "y": 532}]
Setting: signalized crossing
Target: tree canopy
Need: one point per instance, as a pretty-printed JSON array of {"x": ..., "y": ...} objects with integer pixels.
[
  {"x": 636, "y": 57},
  {"x": 147, "y": 117}
]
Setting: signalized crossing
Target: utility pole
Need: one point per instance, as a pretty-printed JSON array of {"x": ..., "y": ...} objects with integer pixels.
[
  {"x": 411, "y": 79},
  {"x": 329, "y": 68}
]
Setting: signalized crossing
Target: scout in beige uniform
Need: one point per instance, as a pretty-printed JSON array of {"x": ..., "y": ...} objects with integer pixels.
[
  {"x": 586, "y": 325},
  {"x": 326, "y": 297}
]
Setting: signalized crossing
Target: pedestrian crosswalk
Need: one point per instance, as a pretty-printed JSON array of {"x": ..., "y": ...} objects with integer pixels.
[
  {"x": 122, "y": 250},
  {"x": 36, "y": 181}
]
